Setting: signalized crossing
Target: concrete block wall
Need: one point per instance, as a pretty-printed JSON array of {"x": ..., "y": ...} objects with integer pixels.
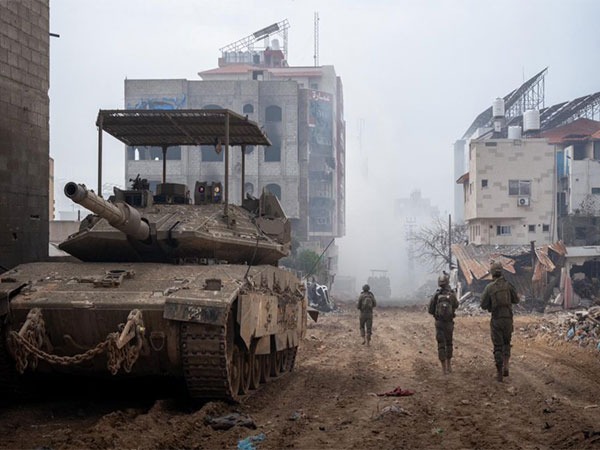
[{"x": 24, "y": 131}]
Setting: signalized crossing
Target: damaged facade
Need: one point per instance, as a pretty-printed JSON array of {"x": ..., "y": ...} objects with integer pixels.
[{"x": 531, "y": 197}]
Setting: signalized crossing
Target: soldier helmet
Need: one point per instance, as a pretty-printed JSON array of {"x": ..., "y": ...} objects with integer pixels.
[
  {"x": 496, "y": 269},
  {"x": 366, "y": 288},
  {"x": 443, "y": 280}
]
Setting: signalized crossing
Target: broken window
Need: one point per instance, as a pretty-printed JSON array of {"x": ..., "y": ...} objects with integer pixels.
[
  {"x": 503, "y": 230},
  {"x": 484, "y": 183},
  {"x": 545, "y": 228},
  {"x": 531, "y": 228},
  {"x": 519, "y": 187}
]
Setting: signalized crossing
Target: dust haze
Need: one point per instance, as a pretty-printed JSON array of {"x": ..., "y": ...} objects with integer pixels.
[{"x": 415, "y": 75}]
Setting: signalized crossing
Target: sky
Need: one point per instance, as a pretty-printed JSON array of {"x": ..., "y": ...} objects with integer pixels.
[{"x": 415, "y": 75}]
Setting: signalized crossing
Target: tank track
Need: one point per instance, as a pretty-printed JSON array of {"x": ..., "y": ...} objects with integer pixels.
[{"x": 204, "y": 356}]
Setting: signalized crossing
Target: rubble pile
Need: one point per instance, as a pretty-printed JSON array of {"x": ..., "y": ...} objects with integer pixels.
[
  {"x": 581, "y": 327},
  {"x": 468, "y": 305}
]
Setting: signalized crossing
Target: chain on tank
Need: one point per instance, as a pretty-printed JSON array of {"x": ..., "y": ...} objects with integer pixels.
[{"x": 122, "y": 350}]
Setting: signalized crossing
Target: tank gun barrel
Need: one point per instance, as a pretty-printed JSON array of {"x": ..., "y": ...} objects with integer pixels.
[{"x": 119, "y": 215}]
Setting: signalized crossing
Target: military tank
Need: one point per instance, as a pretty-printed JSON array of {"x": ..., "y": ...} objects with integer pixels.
[{"x": 166, "y": 284}]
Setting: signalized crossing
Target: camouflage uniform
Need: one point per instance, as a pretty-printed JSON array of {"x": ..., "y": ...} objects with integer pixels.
[
  {"x": 498, "y": 298},
  {"x": 444, "y": 328},
  {"x": 366, "y": 303}
]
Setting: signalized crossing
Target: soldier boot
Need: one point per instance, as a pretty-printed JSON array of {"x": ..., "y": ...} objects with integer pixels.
[
  {"x": 444, "y": 366},
  {"x": 368, "y": 340},
  {"x": 505, "y": 366},
  {"x": 448, "y": 365},
  {"x": 499, "y": 373}
]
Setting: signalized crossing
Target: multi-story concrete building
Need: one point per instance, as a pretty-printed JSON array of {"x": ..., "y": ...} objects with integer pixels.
[
  {"x": 577, "y": 148},
  {"x": 24, "y": 131},
  {"x": 509, "y": 191},
  {"x": 301, "y": 109}
]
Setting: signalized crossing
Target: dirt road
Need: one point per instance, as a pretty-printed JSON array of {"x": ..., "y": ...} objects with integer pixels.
[{"x": 551, "y": 399}]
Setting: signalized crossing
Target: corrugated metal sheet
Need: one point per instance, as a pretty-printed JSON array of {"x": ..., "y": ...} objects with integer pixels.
[{"x": 474, "y": 261}]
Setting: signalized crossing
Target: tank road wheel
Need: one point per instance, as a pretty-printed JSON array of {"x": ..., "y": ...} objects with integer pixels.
[
  {"x": 291, "y": 359},
  {"x": 283, "y": 361},
  {"x": 254, "y": 371},
  {"x": 275, "y": 364},
  {"x": 235, "y": 371},
  {"x": 246, "y": 371},
  {"x": 265, "y": 368}
]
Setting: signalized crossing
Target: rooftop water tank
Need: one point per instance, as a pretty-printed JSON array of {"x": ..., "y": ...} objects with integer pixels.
[
  {"x": 531, "y": 120},
  {"x": 514, "y": 132},
  {"x": 498, "y": 107}
]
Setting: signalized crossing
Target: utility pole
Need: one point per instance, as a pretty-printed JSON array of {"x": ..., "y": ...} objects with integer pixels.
[
  {"x": 316, "y": 50},
  {"x": 450, "y": 242}
]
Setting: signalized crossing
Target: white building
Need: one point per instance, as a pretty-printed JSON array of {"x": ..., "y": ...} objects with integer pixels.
[{"x": 509, "y": 191}]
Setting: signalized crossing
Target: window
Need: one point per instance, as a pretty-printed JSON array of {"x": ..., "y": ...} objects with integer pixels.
[
  {"x": 314, "y": 86},
  {"x": 273, "y": 153},
  {"x": 503, "y": 230},
  {"x": 248, "y": 108},
  {"x": 249, "y": 149},
  {"x": 519, "y": 187},
  {"x": 596, "y": 190},
  {"x": 545, "y": 228},
  {"x": 274, "y": 189},
  {"x": 531, "y": 228},
  {"x": 209, "y": 153},
  {"x": 273, "y": 114},
  {"x": 491, "y": 144},
  {"x": 597, "y": 150},
  {"x": 578, "y": 152},
  {"x": 484, "y": 184}
]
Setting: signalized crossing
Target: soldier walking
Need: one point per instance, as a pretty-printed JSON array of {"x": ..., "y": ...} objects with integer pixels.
[
  {"x": 442, "y": 306},
  {"x": 366, "y": 303},
  {"x": 498, "y": 298}
]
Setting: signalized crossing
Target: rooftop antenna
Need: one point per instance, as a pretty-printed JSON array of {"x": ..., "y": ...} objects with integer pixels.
[{"x": 316, "y": 52}]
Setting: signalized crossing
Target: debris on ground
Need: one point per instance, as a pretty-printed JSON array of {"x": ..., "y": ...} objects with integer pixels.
[
  {"x": 581, "y": 327},
  {"x": 392, "y": 409},
  {"x": 397, "y": 392},
  {"x": 248, "y": 443},
  {"x": 229, "y": 421}
]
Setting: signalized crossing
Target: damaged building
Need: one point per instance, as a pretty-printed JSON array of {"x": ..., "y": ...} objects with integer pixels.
[{"x": 531, "y": 197}]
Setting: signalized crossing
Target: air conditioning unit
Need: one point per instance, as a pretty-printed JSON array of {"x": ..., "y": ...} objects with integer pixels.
[{"x": 523, "y": 201}]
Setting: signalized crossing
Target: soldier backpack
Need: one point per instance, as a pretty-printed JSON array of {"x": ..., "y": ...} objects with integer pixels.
[
  {"x": 443, "y": 308},
  {"x": 367, "y": 304},
  {"x": 501, "y": 298}
]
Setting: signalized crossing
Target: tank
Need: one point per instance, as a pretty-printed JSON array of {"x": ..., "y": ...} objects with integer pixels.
[{"x": 170, "y": 284}]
